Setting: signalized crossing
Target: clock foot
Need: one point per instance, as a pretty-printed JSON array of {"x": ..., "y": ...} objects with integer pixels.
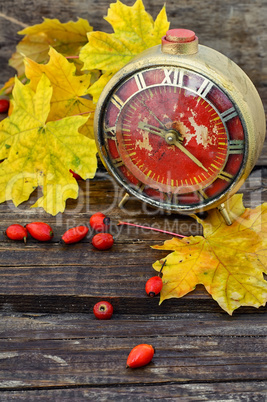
[
  {"x": 225, "y": 214},
  {"x": 123, "y": 200}
]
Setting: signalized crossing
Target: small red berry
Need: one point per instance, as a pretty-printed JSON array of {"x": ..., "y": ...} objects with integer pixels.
[
  {"x": 99, "y": 222},
  {"x": 140, "y": 355},
  {"x": 154, "y": 284},
  {"x": 75, "y": 175},
  {"x": 4, "y": 105},
  {"x": 74, "y": 235},
  {"x": 103, "y": 310},
  {"x": 40, "y": 231},
  {"x": 17, "y": 232},
  {"x": 103, "y": 241}
]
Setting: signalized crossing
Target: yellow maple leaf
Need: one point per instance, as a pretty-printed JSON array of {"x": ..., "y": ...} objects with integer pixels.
[
  {"x": 67, "y": 38},
  {"x": 228, "y": 260},
  {"x": 68, "y": 89},
  {"x": 7, "y": 87},
  {"x": 134, "y": 31},
  {"x": 40, "y": 153}
]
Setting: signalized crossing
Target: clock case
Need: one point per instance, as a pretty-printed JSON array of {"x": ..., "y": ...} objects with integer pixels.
[{"x": 227, "y": 75}]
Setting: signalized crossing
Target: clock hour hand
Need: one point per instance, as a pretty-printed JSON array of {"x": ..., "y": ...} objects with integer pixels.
[
  {"x": 152, "y": 129},
  {"x": 156, "y": 130},
  {"x": 170, "y": 137}
]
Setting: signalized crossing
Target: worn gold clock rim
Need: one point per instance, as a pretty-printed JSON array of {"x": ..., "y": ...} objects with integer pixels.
[{"x": 224, "y": 73}]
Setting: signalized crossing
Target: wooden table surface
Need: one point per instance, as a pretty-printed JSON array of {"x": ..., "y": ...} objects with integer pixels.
[
  {"x": 54, "y": 349},
  {"x": 51, "y": 346}
]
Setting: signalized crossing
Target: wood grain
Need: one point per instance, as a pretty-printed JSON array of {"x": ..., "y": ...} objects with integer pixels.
[
  {"x": 52, "y": 347},
  {"x": 229, "y": 391},
  {"x": 40, "y": 326},
  {"x": 101, "y": 361},
  {"x": 40, "y": 269}
]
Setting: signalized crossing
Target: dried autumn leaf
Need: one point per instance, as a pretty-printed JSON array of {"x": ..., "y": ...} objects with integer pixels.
[
  {"x": 228, "y": 260},
  {"x": 41, "y": 153},
  {"x": 67, "y": 38},
  {"x": 134, "y": 31},
  {"x": 68, "y": 89}
]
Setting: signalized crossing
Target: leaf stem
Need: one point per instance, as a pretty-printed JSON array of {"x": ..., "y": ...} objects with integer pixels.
[
  {"x": 72, "y": 57},
  {"x": 150, "y": 228},
  {"x": 160, "y": 274}
]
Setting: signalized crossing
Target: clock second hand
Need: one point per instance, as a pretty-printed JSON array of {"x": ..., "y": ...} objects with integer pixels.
[
  {"x": 164, "y": 133},
  {"x": 153, "y": 114}
]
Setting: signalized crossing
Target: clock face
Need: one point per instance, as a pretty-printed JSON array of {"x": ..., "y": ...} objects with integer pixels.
[{"x": 172, "y": 138}]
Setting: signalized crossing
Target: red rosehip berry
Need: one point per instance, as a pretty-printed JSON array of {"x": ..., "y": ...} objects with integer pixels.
[
  {"x": 103, "y": 241},
  {"x": 40, "y": 231},
  {"x": 4, "y": 105},
  {"x": 103, "y": 310},
  {"x": 154, "y": 284},
  {"x": 75, "y": 175},
  {"x": 99, "y": 222},
  {"x": 140, "y": 355},
  {"x": 74, "y": 235},
  {"x": 17, "y": 232}
]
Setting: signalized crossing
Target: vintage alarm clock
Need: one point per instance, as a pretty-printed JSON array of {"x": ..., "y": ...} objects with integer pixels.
[{"x": 181, "y": 126}]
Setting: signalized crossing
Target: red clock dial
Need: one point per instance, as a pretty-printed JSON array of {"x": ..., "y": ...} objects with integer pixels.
[{"x": 173, "y": 136}]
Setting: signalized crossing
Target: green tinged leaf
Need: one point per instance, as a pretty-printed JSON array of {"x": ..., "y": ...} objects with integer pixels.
[
  {"x": 134, "y": 31},
  {"x": 41, "y": 153}
]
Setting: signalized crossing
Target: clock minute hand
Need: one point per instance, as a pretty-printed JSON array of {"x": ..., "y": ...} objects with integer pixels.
[
  {"x": 191, "y": 156},
  {"x": 171, "y": 141}
]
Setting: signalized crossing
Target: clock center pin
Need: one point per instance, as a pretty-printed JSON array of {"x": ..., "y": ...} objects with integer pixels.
[{"x": 171, "y": 137}]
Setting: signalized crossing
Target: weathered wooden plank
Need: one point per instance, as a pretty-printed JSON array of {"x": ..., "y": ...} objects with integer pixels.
[
  {"x": 119, "y": 275},
  {"x": 81, "y": 326},
  {"x": 263, "y": 156},
  {"x": 83, "y": 254},
  {"x": 101, "y": 361},
  {"x": 81, "y": 286},
  {"x": 196, "y": 302},
  {"x": 255, "y": 391},
  {"x": 55, "y": 277}
]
